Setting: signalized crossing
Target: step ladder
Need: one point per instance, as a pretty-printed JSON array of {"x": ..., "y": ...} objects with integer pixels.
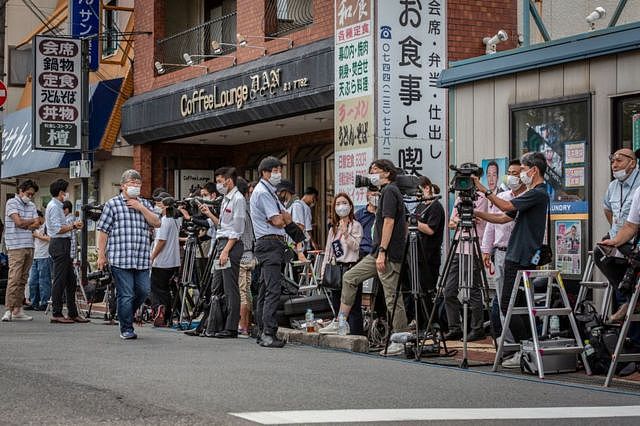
[
  {"x": 554, "y": 279},
  {"x": 587, "y": 283},
  {"x": 629, "y": 317}
]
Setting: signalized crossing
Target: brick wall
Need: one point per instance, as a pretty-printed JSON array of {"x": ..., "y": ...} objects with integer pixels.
[
  {"x": 150, "y": 16},
  {"x": 471, "y": 20}
]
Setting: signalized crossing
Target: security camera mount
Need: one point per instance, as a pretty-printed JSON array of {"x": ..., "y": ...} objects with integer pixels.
[{"x": 492, "y": 42}]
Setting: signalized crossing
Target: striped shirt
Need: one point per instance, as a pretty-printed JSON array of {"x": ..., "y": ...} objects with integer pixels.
[
  {"x": 128, "y": 245},
  {"x": 14, "y": 237}
]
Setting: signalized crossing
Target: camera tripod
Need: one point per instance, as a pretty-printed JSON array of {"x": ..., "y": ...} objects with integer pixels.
[
  {"x": 191, "y": 277},
  {"x": 411, "y": 259},
  {"x": 470, "y": 257}
]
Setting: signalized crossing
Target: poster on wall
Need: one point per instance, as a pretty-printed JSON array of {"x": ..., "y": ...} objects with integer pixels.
[
  {"x": 186, "y": 180},
  {"x": 494, "y": 174},
  {"x": 568, "y": 246},
  {"x": 354, "y": 105},
  {"x": 411, "y": 114},
  {"x": 560, "y": 131}
]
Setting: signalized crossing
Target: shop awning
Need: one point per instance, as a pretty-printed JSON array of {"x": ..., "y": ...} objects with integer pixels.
[
  {"x": 18, "y": 156},
  {"x": 608, "y": 41}
]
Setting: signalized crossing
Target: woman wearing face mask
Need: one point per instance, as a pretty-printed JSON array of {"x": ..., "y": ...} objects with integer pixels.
[
  {"x": 343, "y": 248},
  {"x": 430, "y": 214}
]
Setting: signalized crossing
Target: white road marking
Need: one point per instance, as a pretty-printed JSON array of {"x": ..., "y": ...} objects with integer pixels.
[{"x": 436, "y": 414}]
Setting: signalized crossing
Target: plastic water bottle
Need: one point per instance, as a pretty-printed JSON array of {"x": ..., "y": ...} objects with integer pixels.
[
  {"x": 536, "y": 258},
  {"x": 588, "y": 349},
  {"x": 310, "y": 321},
  {"x": 342, "y": 325},
  {"x": 554, "y": 325}
]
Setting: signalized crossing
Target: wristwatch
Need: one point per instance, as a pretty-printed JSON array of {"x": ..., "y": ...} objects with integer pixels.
[
  {"x": 382, "y": 250},
  {"x": 488, "y": 193}
]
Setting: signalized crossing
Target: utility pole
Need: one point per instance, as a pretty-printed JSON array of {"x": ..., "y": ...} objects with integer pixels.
[{"x": 84, "y": 147}]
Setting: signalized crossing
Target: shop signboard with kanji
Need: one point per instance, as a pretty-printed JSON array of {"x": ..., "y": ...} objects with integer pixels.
[
  {"x": 354, "y": 94},
  {"x": 411, "y": 114},
  {"x": 85, "y": 22},
  {"x": 57, "y": 93}
]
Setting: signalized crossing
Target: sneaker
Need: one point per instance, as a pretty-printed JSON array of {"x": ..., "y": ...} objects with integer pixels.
[
  {"x": 393, "y": 349},
  {"x": 21, "y": 316},
  {"x": 332, "y": 328},
  {"x": 513, "y": 362},
  {"x": 7, "y": 316},
  {"x": 128, "y": 335}
]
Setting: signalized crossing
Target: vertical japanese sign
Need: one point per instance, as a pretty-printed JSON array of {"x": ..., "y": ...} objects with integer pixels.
[
  {"x": 57, "y": 96},
  {"x": 635, "y": 131},
  {"x": 85, "y": 22},
  {"x": 354, "y": 94},
  {"x": 411, "y": 114}
]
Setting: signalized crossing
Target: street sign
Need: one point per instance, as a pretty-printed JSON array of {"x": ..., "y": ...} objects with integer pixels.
[
  {"x": 79, "y": 169},
  {"x": 3, "y": 93},
  {"x": 85, "y": 22},
  {"x": 57, "y": 94}
]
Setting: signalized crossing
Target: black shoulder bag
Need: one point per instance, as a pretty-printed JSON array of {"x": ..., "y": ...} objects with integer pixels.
[
  {"x": 545, "y": 254},
  {"x": 292, "y": 229}
]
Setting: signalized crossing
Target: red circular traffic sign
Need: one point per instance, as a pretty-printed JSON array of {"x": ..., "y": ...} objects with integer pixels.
[{"x": 3, "y": 93}]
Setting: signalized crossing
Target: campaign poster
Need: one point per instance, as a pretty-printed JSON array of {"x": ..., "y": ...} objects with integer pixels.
[
  {"x": 568, "y": 247},
  {"x": 494, "y": 176}
]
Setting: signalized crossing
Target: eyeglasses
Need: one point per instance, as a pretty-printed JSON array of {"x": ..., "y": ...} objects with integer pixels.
[{"x": 616, "y": 157}]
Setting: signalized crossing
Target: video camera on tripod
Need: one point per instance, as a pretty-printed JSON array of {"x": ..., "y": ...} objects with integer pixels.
[
  {"x": 93, "y": 211},
  {"x": 192, "y": 205},
  {"x": 462, "y": 184}
]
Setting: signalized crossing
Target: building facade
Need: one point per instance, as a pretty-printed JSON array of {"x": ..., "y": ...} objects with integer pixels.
[{"x": 227, "y": 82}]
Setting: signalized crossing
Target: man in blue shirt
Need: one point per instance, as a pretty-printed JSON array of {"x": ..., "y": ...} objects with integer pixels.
[
  {"x": 269, "y": 217},
  {"x": 64, "y": 278},
  {"x": 366, "y": 216},
  {"x": 124, "y": 243}
]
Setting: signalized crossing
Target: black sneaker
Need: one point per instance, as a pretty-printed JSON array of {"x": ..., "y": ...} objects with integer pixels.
[
  {"x": 268, "y": 341},
  {"x": 475, "y": 335},
  {"x": 226, "y": 334},
  {"x": 453, "y": 335}
]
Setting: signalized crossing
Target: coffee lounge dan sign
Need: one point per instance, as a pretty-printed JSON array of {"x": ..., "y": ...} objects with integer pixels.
[{"x": 262, "y": 85}]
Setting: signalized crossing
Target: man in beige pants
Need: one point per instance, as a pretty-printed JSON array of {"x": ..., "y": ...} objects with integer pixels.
[{"x": 21, "y": 218}]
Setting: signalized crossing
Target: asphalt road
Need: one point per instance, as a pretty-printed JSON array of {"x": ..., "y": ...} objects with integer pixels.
[{"x": 84, "y": 374}]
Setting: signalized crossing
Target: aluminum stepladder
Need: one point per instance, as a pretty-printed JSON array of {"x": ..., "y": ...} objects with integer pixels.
[
  {"x": 554, "y": 279},
  {"x": 586, "y": 283},
  {"x": 629, "y": 317}
]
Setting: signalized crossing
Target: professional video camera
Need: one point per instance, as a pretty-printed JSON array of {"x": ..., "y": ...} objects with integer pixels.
[
  {"x": 93, "y": 211},
  {"x": 192, "y": 205},
  {"x": 462, "y": 183},
  {"x": 631, "y": 274},
  {"x": 101, "y": 278},
  {"x": 408, "y": 184}
]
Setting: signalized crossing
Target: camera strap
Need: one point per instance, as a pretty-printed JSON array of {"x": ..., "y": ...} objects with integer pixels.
[{"x": 279, "y": 205}]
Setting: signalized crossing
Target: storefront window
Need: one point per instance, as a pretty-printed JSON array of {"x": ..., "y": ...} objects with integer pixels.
[
  {"x": 561, "y": 130},
  {"x": 626, "y": 131}
]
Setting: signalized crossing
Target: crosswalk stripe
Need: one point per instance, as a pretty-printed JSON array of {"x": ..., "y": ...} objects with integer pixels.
[{"x": 436, "y": 414}]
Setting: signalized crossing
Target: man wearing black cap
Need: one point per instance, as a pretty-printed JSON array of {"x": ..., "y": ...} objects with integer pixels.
[{"x": 269, "y": 217}]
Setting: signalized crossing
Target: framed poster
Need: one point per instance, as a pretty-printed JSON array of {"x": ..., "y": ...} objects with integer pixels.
[{"x": 561, "y": 130}]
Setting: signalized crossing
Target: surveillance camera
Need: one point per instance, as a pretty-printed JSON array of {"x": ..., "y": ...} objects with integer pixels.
[
  {"x": 491, "y": 42},
  {"x": 598, "y": 13}
]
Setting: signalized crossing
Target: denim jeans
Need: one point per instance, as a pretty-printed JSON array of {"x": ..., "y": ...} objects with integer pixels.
[
  {"x": 40, "y": 282},
  {"x": 132, "y": 288}
]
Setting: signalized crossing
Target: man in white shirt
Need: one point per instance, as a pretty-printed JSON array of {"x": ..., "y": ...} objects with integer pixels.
[
  {"x": 310, "y": 199},
  {"x": 229, "y": 247},
  {"x": 497, "y": 233},
  {"x": 165, "y": 261},
  {"x": 287, "y": 195},
  {"x": 40, "y": 275}
]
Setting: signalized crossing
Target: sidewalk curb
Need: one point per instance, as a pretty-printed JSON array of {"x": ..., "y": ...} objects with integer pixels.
[{"x": 358, "y": 344}]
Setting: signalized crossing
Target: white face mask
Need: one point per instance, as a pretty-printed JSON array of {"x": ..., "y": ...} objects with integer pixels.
[
  {"x": 620, "y": 175},
  {"x": 375, "y": 179},
  {"x": 373, "y": 200},
  {"x": 133, "y": 191},
  {"x": 526, "y": 179},
  {"x": 275, "y": 179},
  {"x": 343, "y": 210},
  {"x": 25, "y": 199},
  {"x": 513, "y": 182},
  {"x": 221, "y": 188}
]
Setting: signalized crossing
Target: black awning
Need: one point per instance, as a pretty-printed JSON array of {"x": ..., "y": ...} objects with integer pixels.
[{"x": 294, "y": 82}]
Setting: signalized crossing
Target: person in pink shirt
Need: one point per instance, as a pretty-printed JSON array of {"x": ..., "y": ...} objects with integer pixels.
[
  {"x": 343, "y": 248},
  {"x": 496, "y": 236}
]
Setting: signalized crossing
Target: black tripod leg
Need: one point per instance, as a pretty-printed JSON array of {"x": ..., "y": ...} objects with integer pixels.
[{"x": 484, "y": 284}]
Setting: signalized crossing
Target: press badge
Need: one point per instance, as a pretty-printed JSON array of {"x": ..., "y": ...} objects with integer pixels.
[{"x": 337, "y": 248}]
